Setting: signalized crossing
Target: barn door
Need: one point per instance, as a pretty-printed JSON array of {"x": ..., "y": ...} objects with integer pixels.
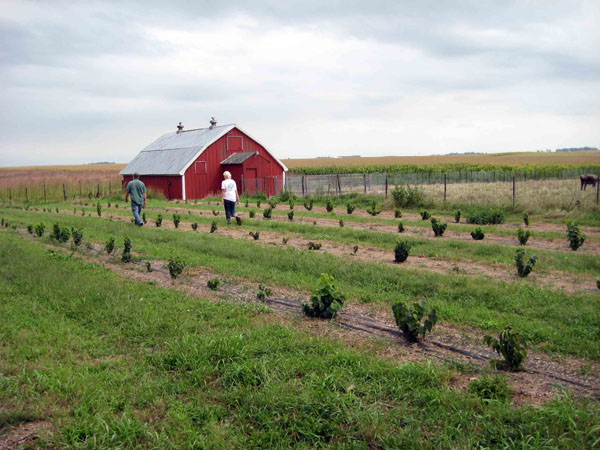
[{"x": 235, "y": 144}]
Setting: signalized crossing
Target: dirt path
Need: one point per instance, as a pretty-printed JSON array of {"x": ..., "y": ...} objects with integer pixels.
[
  {"x": 559, "y": 280},
  {"x": 371, "y": 327}
]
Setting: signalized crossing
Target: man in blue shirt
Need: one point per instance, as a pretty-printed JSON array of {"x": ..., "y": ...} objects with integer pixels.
[{"x": 137, "y": 189}]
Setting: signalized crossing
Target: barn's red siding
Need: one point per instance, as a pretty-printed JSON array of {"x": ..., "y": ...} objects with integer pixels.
[
  {"x": 170, "y": 186},
  {"x": 200, "y": 182}
]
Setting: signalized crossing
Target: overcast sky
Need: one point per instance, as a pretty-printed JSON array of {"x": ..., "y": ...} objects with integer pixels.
[{"x": 97, "y": 81}]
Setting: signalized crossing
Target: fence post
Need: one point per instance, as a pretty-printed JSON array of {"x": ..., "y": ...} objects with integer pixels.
[
  {"x": 44, "y": 192},
  {"x": 64, "y": 193},
  {"x": 365, "y": 182},
  {"x": 598, "y": 192},
  {"x": 80, "y": 195},
  {"x": 242, "y": 183},
  {"x": 9, "y": 194},
  {"x": 303, "y": 188},
  {"x": 386, "y": 184},
  {"x": 339, "y": 186},
  {"x": 513, "y": 194},
  {"x": 98, "y": 193},
  {"x": 26, "y": 196},
  {"x": 444, "y": 187},
  {"x": 256, "y": 183}
]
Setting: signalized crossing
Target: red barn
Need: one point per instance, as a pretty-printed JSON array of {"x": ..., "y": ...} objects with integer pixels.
[{"x": 190, "y": 164}]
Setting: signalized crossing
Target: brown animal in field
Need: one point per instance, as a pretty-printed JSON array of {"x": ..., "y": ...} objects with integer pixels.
[{"x": 588, "y": 178}]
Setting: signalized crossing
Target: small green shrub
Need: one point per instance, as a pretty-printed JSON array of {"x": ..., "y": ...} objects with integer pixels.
[
  {"x": 438, "y": 227},
  {"x": 400, "y": 227},
  {"x": 159, "y": 220},
  {"x": 490, "y": 388},
  {"x": 60, "y": 234},
  {"x": 409, "y": 320},
  {"x": 401, "y": 251},
  {"x": 314, "y": 246},
  {"x": 511, "y": 346},
  {"x": 176, "y": 220},
  {"x": 109, "y": 246},
  {"x": 374, "y": 209},
  {"x": 292, "y": 203},
  {"x": 213, "y": 226},
  {"x": 457, "y": 217},
  {"x": 194, "y": 226},
  {"x": 215, "y": 212},
  {"x": 285, "y": 240},
  {"x": 524, "y": 268},
  {"x": 523, "y": 236},
  {"x": 213, "y": 284},
  {"x": 252, "y": 213},
  {"x": 526, "y": 219},
  {"x": 30, "y": 229},
  {"x": 350, "y": 208},
  {"x": 255, "y": 235},
  {"x": 126, "y": 256},
  {"x": 272, "y": 203},
  {"x": 329, "y": 205},
  {"x": 485, "y": 215},
  {"x": 341, "y": 223},
  {"x": 175, "y": 266},
  {"x": 39, "y": 229},
  {"x": 246, "y": 203},
  {"x": 148, "y": 267},
  {"x": 290, "y": 215},
  {"x": 258, "y": 202},
  {"x": 397, "y": 213},
  {"x": 99, "y": 209},
  {"x": 263, "y": 292},
  {"x": 574, "y": 236},
  {"x": 407, "y": 197},
  {"x": 267, "y": 212},
  {"x": 326, "y": 300},
  {"x": 598, "y": 284},
  {"x": 425, "y": 215},
  {"x": 478, "y": 234},
  {"x": 354, "y": 250},
  {"x": 77, "y": 236},
  {"x": 309, "y": 205}
]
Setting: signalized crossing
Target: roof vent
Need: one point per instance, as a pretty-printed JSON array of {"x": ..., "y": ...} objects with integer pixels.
[
  {"x": 213, "y": 123},
  {"x": 179, "y": 128}
]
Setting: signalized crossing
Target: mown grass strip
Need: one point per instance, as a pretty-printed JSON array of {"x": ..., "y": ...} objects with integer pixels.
[{"x": 553, "y": 320}]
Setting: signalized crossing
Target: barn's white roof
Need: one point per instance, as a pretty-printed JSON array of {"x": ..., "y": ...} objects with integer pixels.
[{"x": 172, "y": 153}]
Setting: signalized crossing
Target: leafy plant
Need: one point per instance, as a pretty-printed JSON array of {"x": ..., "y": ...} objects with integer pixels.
[
  {"x": 267, "y": 212},
  {"x": 400, "y": 227},
  {"x": 401, "y": 251},
  {"x": 409, "y": 320},
  {"x": 457, "y": 217},
  {"x": 326, "y": 300},
  {"x": 246, "y": 203},
  {"x": 524, "y": 268},
  {"x": 329, "y": 205},
  {"x": 144, "y": 218},
  {"x": 523, "y": 236},
  {"x": 215, "y": 212},
  {"x": 511, "y": 346},
  {"x": 126, "y": 256},
  {"x": 598, "y": 284},
  {"x": 478, "y": 234},
  {"x": 213, "y": 284},
  {"x": 99, "y": 209},
  {"x": 194, "y": 226},
  {"x": 526, "y": 219},
  {"x": 407, "y": 196},
  {"x": 397, "y": 213},
  {"x": 292, "y": 203},
  {"x": 350, "y": 208},
  {"x": 82, "y": 212},
  {"x": 77, "y": 236},
  {"x": 438, "y": 227},
  {"x": 39, "y": 229},
  {"x": 109, "y": 246},
  {"x": 175, "y": 266},
  {"x": 425, "y": 215},
  {"x": 341, "y": 223},
  {"x": 252, "y": 213},
  {"x": 60, "y": 234},
  {"x": 176, "y": 220},
  {"x": 263, "y": 292},
  {"x": 285, "y": 240},
  {"x": 159, "y": 220},
  {"x": 258, "y": 203},
  {"x": 148, "y": 267},
  {"x": 574, "y": 235},
  {"x": 255, "y": 235},
  {"x": 314, "y": 246},
  {"x": 354, "y": 250},
  {"x": 213, "y": 226},
  {"x": 485, "y": 215},
  {"x": 490, "y": 388},
  {"x": 30, "y": 229},
  {"x": 290, "y": 215},
  {"x": 374, "y": 209},
  {"x": 309, "y": 205}
]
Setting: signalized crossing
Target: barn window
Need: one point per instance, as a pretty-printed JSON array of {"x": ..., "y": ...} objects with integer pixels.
[
  {"x": 200, "y": 168},
  {"x": 235, "y": 144}
]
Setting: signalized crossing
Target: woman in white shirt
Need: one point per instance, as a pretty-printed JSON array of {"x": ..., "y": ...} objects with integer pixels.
[{"x": 230, "y": 196}]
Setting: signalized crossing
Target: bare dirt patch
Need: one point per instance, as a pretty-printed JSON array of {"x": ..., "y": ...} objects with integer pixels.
[{"x": 24, "y": 434}]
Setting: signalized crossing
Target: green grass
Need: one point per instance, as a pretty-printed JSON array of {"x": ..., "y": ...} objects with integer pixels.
[
  {"x": 120, "y": 364},
  {"x": 553, "y": 320}
]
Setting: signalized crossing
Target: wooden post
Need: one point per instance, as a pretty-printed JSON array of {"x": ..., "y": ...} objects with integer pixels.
[
  {"x": 386, "y": 185},
  {"x": 256, "y": 188},
  {"x": 26, "y": 196},
  {"x": 444, "y": 187},
  {"x": 98, "y": 192},
  {"x": 598, "y": 192},
  {"x": 44, "y": 192},
  {"x": 514, "y": 192},
  {"x": 80, "y": 195},
  {"x": 365, "y": 182},
  {"x": 242, "y": 183},
  {"x": 64, "y": 193},
  {"x": 339, "y": 185},
  {"x": 303, "y": 187},
  {"x": 9, "y": 194}
]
